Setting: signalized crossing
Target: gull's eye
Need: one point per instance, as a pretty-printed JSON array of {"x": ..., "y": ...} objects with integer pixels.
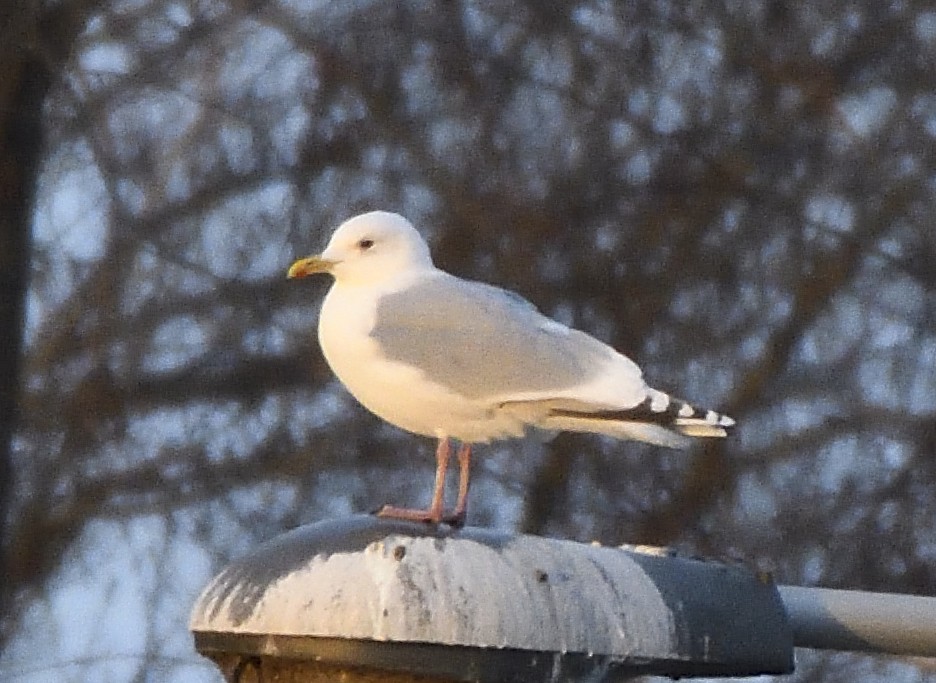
[{"x": 365, "y": 244}]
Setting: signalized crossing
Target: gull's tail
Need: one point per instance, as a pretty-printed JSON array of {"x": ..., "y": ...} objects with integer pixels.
[{"x": 659, "y": 419}]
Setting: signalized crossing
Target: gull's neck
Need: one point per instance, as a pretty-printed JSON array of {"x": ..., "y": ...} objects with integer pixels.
[{"x": 386, "y": 282}]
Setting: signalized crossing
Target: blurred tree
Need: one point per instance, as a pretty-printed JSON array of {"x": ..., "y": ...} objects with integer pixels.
[
  {"x": 735, "y": 194},
  {"x": 26, "y": 75}
]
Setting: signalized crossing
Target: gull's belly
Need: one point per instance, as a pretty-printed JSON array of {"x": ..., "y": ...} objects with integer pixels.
[
  {"x": 396, "y": 392},
  {"x": 403, "y": 397}
]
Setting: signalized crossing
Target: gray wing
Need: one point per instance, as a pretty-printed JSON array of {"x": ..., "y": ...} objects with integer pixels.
[{"x": 480, "y": 341}]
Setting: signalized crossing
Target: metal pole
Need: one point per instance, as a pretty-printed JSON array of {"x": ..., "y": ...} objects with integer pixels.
[{"x": 829, "y": 619}]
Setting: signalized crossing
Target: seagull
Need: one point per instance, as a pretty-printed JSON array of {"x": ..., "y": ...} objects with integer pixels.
[{"x": 449, "y": 358}]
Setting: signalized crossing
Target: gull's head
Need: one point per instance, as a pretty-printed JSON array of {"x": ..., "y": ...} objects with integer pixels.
[{"x": 368, "y": 248}]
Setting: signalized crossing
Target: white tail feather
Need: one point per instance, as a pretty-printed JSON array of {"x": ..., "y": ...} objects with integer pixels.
[{"x": 620, "y": 429}]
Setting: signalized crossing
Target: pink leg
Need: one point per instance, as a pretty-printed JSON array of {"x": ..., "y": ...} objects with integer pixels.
[
  {"x": 433, "y": 514},
  {"x": 457, "y": 518}
]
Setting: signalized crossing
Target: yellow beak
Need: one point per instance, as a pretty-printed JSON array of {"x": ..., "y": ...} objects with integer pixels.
[{"x": 309, "y": 266}]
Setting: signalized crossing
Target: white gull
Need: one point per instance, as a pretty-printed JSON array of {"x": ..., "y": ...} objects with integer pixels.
[{"x": 455, "y": 359}]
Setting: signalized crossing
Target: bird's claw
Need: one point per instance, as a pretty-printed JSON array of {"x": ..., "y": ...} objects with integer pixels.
[{"x": 456, "y": 520}]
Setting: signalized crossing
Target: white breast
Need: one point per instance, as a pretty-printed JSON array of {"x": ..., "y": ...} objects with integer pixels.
[{"x": 398, "y": 393}]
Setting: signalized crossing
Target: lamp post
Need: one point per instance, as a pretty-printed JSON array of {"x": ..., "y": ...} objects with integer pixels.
[{"x": 373, "y": 599}]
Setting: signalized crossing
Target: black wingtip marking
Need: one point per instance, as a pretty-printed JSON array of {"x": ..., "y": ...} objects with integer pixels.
[{"x": 674, "y": 410}]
